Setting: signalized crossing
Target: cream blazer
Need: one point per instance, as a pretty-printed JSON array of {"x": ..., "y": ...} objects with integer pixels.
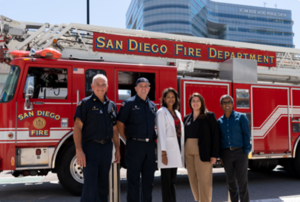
[{"x": 167, "y": 139}]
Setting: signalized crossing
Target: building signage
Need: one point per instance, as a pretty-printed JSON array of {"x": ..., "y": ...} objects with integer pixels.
[
  {"x": 181, "y": 50},
  {"x": 242, "y": 10}
]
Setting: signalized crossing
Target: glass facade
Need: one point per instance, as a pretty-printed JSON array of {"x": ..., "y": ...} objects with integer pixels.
[{"x": 205, "y": 18}]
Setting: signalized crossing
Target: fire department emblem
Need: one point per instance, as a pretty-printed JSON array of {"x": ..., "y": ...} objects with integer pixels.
[{"x": 39, "y": 123}]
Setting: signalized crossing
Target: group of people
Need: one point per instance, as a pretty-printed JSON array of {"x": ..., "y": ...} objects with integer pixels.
[{"x": 194, "y": 143}]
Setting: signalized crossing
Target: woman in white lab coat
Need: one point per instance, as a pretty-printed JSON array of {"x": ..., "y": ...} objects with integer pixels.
[{"x": 170, "y": 143}]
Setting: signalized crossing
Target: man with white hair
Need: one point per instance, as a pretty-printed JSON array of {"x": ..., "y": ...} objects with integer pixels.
[{"x": 94, "y": 130}]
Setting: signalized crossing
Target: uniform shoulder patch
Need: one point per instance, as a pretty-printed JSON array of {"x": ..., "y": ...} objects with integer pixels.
[
  {"x": 79, "y": 103},
  {"x": 123, "y": 103}
]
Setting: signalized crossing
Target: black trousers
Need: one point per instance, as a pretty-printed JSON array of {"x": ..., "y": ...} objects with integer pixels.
[
  {"x": 96, "y": 173},
  {"x": 168, "y": 184},
  {"x": 140, "y": 160},
  {"x": 236, "y": 168}
]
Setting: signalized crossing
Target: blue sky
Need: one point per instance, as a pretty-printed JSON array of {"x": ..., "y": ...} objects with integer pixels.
[{"x": 110, "y": 12}]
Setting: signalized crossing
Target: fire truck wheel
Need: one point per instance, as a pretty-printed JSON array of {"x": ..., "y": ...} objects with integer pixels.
[
  {"x": 70, "y": 175},
  {"x": 288, "y": 166}
]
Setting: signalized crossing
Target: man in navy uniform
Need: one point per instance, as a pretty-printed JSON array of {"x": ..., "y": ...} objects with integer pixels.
[
  {"x": 136, "y": 121},
  {"x": 235, "y": 144},
  {"x": 94, "y": 129}
]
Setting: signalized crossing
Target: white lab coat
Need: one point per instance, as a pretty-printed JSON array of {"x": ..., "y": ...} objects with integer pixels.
[{"x": 167, "y": 139}]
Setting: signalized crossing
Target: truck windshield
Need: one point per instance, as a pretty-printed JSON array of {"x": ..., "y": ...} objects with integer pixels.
[{"x": 9, "y": 89}]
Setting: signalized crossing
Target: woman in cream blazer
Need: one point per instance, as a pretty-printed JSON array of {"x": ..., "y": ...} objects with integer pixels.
[{"x": 170, "y": 143}]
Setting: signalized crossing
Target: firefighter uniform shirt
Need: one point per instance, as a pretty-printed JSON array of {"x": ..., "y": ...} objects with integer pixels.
[
  {"x": 98, "y": 118},
  {"x": 139, "y": 117}
]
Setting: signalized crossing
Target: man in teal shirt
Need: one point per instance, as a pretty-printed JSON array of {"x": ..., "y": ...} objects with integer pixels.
[{"x": 235, "y": 147}]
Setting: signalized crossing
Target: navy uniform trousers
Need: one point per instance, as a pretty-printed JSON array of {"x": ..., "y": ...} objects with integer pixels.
[
  {"x": 96, "y": 173},
  {"x": 140, "y": 161},
  {"x": 236, "y": 168}
]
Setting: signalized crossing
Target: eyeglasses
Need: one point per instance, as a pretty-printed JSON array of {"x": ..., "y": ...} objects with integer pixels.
[{"x": 225, "y": 103}]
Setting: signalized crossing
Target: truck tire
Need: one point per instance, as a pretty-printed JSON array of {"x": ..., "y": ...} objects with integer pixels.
[
  {"x": 289, "y": 167},
  {"x": 69, "y": 173}
]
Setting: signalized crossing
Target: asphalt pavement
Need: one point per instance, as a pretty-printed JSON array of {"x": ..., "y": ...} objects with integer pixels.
[{"x": 263, "y": 187}]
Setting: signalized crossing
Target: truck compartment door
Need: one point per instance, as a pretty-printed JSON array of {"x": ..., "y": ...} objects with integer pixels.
[
  {"x": 270, "y": 122},
  {"x": 211, "y": 92}
]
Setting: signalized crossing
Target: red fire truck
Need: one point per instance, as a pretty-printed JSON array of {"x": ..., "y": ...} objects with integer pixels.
[{"x": 40, "y": 96}]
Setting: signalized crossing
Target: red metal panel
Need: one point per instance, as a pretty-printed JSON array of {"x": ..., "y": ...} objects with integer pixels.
[
  {"x": 7, "y": 156},
  {"x": 295, "y": 116},
  {"x": 172, "y": 49},
  {"x": 276, "y": 140},
  {"x": 211, "y": 92},
  {"x": 270, "y": 122},
  {"x": 296, "y": 97}
]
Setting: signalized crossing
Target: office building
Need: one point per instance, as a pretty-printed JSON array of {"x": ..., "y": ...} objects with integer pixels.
[{"x": 205, "y": 18}]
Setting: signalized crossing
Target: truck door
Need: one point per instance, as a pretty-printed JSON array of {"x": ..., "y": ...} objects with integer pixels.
[
  {"x": 210, "y": 90},
  {"x": 295, "y": 114},
  {"x": 270, "y": 125},
  {"x": 47, "y": 119}
]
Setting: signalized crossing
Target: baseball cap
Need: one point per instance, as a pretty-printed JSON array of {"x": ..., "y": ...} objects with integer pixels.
[{"x": 141, "y": 80}]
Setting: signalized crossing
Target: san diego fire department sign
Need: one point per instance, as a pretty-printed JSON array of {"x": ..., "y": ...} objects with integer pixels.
[{"x": 182, "y": 50}]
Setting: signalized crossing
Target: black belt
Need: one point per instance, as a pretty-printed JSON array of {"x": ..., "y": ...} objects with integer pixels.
[
  {"x": 104, "y": 141},
  {"x": 233, "y": 148},
  {"x": 141, "y": 140}
]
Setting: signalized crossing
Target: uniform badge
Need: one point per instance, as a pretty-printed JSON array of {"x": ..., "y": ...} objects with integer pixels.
[
  {"x": 79, "y": 103},
  {"x": 123, "y": 103},
  {"x": 94, "y": 108},
  {"x": 94, "y": 99},
  {"x": 101, "y": 112}
]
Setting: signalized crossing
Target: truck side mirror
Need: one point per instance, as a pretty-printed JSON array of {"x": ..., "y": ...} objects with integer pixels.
[{"x": 29, "y": 92}]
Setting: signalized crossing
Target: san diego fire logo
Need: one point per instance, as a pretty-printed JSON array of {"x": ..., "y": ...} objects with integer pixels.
[{"x": 39, "y": 122}]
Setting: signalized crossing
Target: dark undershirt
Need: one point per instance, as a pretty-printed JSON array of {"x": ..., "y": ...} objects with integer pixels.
[
  {"x": 177, "y": 128},
  {"x": 192, "y": 129}
]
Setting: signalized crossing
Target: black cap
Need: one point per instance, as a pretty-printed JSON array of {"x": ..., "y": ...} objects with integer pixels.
[{"x": 141, "y": 80}]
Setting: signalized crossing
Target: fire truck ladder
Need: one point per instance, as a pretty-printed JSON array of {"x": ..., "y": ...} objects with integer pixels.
[{"x": 76, "y": 41}]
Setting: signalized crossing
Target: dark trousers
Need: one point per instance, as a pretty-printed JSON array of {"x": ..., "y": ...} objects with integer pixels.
[
  {"x": 168, "y": 184},
  {"x": 140, "y": 161},
  {"x": 96, "y": 173},
  {"x": 236, "y": 168}
]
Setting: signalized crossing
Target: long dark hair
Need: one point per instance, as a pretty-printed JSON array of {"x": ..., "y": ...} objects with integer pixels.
[
  {"x": 164, "y": 95},
  {"x": 203, "y": 109}
]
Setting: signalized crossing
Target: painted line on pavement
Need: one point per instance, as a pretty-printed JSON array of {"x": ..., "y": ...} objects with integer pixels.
[
  {"x": 295, "y": 198},
  {"x": 18, "y": 180}
]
